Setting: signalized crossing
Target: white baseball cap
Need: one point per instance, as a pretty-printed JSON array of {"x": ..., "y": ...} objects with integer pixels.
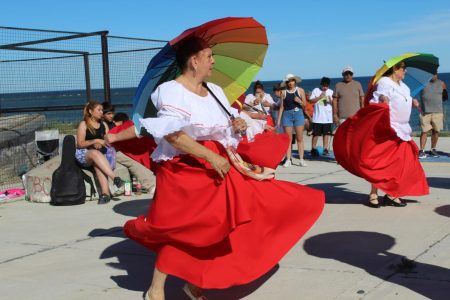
[{"x": 347, "y": 69}]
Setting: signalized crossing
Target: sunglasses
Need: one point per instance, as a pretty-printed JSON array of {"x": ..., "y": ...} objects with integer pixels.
[{"x": 347, "y": 73}]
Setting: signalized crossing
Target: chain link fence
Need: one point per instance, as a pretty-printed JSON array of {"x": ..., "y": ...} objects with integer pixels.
[{"x": 47, "y": 77}]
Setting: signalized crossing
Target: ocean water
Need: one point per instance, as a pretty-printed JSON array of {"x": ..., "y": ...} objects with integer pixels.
[{"x": 123, "y": 98}]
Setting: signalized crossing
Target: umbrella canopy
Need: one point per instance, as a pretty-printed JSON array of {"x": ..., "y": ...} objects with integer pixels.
[
  {"x": 239, "y": 46},
  {"x": 420, "y": 67}
]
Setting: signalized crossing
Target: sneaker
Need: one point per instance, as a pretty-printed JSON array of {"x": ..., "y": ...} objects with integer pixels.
[
  {"x": 287, "y": 163},
  {"x": 303, "y": 163},
  {"x": 314, "y": 152},
  {"x": 103, "y": 199},
  {"x": 325, "y": 152},
  {"x": 434, "y": 153},
  {"x": 118, "y": 182},
  {"x": 422, "y": 154}
]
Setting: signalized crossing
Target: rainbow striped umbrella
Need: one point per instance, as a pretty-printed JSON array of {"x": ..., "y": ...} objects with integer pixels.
[
  {"x": 420, "y": 67},
  {"x": 239, "y": 46}
]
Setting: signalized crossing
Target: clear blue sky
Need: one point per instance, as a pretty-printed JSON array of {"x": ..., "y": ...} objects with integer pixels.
[{"x": 307, "y": 38}]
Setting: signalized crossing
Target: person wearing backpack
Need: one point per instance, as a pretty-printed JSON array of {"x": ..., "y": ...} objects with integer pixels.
[{"x": 91, "y": 148}]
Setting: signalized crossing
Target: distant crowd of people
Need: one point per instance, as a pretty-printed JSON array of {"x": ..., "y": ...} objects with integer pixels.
[
  {"x": 319, "y": 112},
  {"x": 293, "y": 110}
]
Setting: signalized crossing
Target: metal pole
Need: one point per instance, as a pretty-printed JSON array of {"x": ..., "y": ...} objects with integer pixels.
[
  {"x": 106, "y": 84},
  {"x": 87, "y": 77},
  {"x": 62, "y": 38}
]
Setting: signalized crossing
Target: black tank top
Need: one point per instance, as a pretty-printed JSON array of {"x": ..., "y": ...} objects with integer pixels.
[
  {"x": 289, "y": 102},
  {"x": 99, "y": 133}
]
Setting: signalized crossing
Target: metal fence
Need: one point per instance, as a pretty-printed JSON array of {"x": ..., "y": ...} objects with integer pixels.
[{"x": 46, "y": 77}]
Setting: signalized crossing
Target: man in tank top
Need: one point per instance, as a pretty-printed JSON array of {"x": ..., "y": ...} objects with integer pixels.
[{"x": 432, "y": 116}]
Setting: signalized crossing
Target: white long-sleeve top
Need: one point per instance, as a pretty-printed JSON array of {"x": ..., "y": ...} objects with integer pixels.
[{"x": 400, "y": 103}]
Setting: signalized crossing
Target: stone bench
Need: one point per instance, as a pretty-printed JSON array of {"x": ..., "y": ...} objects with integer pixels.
[{"x": 38, "y": 181}]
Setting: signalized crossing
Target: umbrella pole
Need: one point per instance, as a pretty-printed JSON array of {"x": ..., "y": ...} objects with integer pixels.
[
  {"x": 243, "y": 132},
  {"x": 218, "y": 101},
  {"x": 256, "y": 109}
]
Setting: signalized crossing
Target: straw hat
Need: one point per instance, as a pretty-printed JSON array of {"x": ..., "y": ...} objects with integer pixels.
[{"x": 292, "y": 76}]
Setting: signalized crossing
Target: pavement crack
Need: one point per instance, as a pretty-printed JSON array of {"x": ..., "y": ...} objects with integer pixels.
[
  {"x": 105, "y": 233},
  {"x": 431, "y": 246}
]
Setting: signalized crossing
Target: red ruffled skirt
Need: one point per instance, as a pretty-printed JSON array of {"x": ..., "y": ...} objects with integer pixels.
[
  {"x": 218, "y": 233},
  {"x": 368, "y": 147},
  {"x": 267, "y": 149}
]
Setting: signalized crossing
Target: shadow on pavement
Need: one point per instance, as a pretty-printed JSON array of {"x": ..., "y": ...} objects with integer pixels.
[
  {"x": 240, "y": 291},
  {"x": 369, "y": 251},
  {"x": 132, "y": 208},
  {"x": 336, "y": 193},
  {"x": 439, "y": 182},
  {"x": 443, "y": 210},
  {"x": 138, "y": 263}
]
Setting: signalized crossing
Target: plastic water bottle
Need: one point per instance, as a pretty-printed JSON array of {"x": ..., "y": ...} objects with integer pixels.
[{"x": 127, "y": 188}]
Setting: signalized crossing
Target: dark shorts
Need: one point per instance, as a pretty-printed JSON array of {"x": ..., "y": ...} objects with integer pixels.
[{"x": 321, "y": 129}]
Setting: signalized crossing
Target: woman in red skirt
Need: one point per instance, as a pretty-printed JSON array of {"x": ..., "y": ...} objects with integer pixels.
[
  {"x": 209, "y": 224},
  {"x": 376, "y": 143}
]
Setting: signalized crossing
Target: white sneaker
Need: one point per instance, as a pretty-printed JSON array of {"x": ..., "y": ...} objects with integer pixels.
[
  {"x": 303, "y": 163},
  {"x": 287, "y": 163}
]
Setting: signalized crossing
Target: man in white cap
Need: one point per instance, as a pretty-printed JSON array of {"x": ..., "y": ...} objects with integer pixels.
[{"x": 348, "y": 97}]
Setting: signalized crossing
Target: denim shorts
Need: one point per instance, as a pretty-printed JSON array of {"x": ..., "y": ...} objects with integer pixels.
[{"x": 293, "y": 117}]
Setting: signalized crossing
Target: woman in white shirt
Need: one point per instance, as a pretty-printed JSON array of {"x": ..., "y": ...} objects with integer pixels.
[{"x": 208, "y": 222}]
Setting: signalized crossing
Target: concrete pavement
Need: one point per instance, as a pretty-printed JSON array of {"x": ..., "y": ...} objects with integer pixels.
[{"x": 352, "y": 252}]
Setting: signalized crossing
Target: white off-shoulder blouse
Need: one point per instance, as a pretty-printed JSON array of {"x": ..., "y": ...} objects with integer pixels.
[{"x": 201, "y": 118}]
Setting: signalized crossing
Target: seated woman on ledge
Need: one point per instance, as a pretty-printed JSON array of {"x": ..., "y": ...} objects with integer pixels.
[{"x": 91, "y": 148}]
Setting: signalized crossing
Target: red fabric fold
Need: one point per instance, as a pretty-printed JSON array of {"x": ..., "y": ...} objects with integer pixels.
[
  {"x": 367, "y": 146},
  {"x": 267, "y": 149},
  {"x": 217, "y": 233}
]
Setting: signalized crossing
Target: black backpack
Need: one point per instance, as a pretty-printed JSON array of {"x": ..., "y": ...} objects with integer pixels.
[{"x": 68, "y": 180}]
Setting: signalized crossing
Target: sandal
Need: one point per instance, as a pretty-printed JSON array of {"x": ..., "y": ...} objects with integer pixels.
[
  {"x": 372, "y": 199},
  {"x": 388, "y": 201}
]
